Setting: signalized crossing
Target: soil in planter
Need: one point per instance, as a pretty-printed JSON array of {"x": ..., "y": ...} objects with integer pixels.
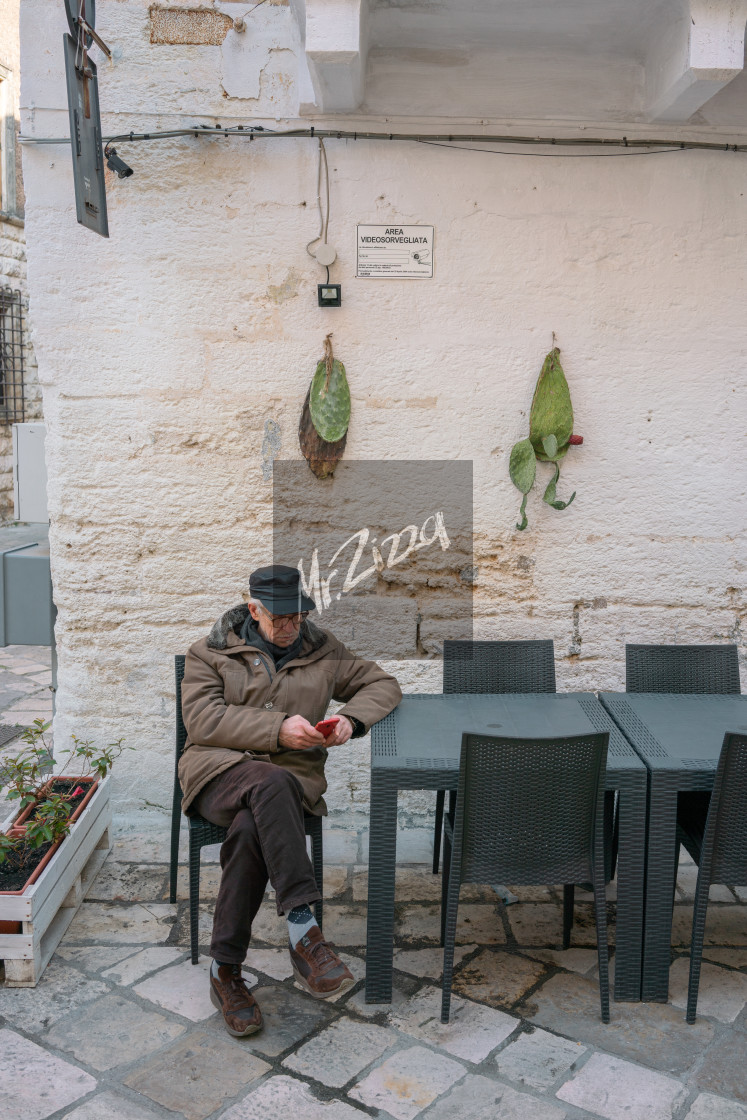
[
  {"x": 66, "y": 787},
  {"x": 18, "y": 866}
]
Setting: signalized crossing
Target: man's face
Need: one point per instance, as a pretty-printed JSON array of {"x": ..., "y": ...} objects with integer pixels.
[{"x": 281, "y": 630}]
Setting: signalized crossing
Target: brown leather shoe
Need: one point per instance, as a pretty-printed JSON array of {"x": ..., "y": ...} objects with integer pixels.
[
  {"x": 231, "y": 996},
  {"x": 317, "y": 968}
]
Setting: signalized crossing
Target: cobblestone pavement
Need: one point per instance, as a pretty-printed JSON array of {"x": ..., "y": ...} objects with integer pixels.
[{"x": 121, "y": 1026}]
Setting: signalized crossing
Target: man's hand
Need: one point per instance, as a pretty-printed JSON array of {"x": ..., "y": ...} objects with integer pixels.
[
  {"x": 340, "y": 733},
  {"x": 298, "y": 734}
]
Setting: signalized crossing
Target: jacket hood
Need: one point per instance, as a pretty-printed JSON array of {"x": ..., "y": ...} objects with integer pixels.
[{"x": 233, "y": 620}]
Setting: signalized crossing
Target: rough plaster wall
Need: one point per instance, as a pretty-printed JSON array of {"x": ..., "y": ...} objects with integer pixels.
[
  {"x": 13, "y": 258},
  {"x": 169, "y": 352}
]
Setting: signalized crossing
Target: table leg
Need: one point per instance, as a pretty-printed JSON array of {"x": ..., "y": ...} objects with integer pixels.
[
  {"x": 382, "y": 854},
  {"x": 657, "y": 937},
  {"x": 630, "y": 871}
]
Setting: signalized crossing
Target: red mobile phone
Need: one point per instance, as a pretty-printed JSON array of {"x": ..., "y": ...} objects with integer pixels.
[{"x": 326, "y": 726}]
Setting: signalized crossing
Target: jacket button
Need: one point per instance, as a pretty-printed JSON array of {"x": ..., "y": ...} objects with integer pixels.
[
  {"x": 257, "y": 661},
  {"x": 268, "y": 704}
]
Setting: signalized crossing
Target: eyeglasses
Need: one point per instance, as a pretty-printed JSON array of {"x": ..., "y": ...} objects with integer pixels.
[{"x": 282, "y": 619}]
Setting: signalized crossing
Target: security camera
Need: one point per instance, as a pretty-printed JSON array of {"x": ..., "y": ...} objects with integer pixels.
[{"x": 114, "y": 163}]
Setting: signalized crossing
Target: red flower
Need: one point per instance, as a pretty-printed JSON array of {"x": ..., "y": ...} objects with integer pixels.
[
  {"x": 77, "y": 791},
  {"x": 576, "y": 440}
]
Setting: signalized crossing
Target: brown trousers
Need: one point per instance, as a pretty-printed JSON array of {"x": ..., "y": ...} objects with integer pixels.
[{"x": 261, "y": 805}]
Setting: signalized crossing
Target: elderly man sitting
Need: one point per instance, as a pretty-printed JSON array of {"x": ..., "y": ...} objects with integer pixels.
[{"x": 252, "y": 692}]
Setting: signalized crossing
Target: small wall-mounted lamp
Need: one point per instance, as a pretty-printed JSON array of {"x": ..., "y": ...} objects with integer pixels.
[{"x": 330, "y": 295}]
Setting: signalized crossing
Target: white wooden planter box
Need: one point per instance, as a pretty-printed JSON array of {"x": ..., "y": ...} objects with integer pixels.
[{"x": 49, "y": 905}]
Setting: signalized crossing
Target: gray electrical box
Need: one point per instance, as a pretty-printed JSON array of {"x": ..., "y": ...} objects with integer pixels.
[
  {"x": 29, "y": 473},
  {"x": 26, "y": 607}
]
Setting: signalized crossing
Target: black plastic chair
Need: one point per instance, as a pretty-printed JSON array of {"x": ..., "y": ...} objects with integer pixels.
[
  {"x": 713, "y": 669},
  {"x": 528, "y": 811},
  {"x": 720, "y": 849},
  {"x": 202, "y": 832},
  {"x": 524, "y": 666}
]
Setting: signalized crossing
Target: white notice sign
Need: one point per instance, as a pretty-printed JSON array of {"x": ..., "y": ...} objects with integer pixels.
[{"x": 395, "y": 252}]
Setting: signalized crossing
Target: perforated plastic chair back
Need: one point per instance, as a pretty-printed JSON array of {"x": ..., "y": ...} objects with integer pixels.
[
  {"x": 522, "y": 666},
  {"x": 711, "y": 668},
  {"x": 531, "y": 809}
]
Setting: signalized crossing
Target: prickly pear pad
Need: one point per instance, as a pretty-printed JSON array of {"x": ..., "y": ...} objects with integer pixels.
[
  {"x": 329, "y": 400},
  {"x": 550, "y": 435}
]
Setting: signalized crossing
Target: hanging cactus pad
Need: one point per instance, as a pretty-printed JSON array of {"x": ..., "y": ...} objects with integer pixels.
[{"x": 329, "y": 400}]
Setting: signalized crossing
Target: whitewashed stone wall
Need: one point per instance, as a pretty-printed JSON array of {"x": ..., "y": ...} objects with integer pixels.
[
  {"x": 164, "y": 352},
  {"x": 12, "y": 233}
]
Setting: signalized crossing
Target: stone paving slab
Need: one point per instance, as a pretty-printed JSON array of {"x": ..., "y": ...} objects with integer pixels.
[
  {"x": 61, "y": 989},
  {"x": 428, "y": 963},
  {"x": 651, "y": 1033},
  {"x": 721, "y": 994},
  {"x": 272, "y": 962},
  {"x": 111, "y": 1032},
  {"x": 340, "y": 1052},
  {"x": 583, "y": 961},
  {"x": 110, "y": 1106},
  {"x": 288, "y": 1018},
  {"x": 476, "y": 921},
  {"x": 723, "y": 1071},
  {"x": 707, "y": 1106},
  {"x": 129, "y": 882},
  {"x": 117, "y": 924},
  {"x": 284, "y": 1098},
  {"x": 479, "y": 1098},
  {"x": 616, "y": 1090},
  {"x": 197, "y": 1074},
  {"x": 140, "y": 964},
  {"x": 538, "y": 1058},
  {"x": 93, "y": 958},
  {"x": 35, "y": 1083},
  {"x": 472, "y": 1032},
  {"x": 183, "y": 989},
  {"x": 497, "y": 977},
  {"x": 733, "y": 958},
  {"x": 407, "y": 1082},
  {"x": 725, "y": 925}
]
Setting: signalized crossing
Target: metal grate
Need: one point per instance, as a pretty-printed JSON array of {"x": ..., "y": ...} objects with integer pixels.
[{"x": 11, "y": 356}]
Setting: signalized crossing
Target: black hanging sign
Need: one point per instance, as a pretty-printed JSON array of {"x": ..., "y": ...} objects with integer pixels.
[{"x": 85, "y": 120}]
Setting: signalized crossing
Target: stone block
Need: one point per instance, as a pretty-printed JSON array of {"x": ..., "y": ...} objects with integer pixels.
[
  {"x": 725, "y": 925},
  {"x": 479, "y": 1098},
  {"x": 122, "y": 925},
  {"x": 497, "y": 977},
  {"x": 141, "y": 964},
  {"x": 340, "y": 1052},
  {"x": 197, "y": 1075},
  {"x": 281, "y": 1097},
  {"x": 36, "y": 1083},
  {"x": 110, "y": 1106},
  {"x": 472, "y": 1032},
  {"x": 428, "y": 963},
  {"x": 538, "y": 1058},
  {"x": 724, "y": 1070},
  {"x": 721, "y": 994},
  {"x": 187, "y": 26},
  {"x": 476, "y": 922},
  {"x": 129, "y": 882},
  {"x": 340, "y": 846},
  {"x": 93, "y": 958},
  {"x": 112, "y": 1031},
  {"x": 407, "y": 1082},
  {"x": 61, "y": 989},
  {"x": 184, "y": 989},
  {"x": 288, "y": 1019},
  {"x": 583, "y": 961},
  {"x": 650, "y": 1033},
  {"x": 707, "y": 1106},
  {"x": 617, "y": 1090}
]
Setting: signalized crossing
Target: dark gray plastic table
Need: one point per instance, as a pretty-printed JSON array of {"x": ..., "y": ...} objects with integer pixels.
[
  {"x": 417, "y": 746},
  {"x": 679, "y": 737}
]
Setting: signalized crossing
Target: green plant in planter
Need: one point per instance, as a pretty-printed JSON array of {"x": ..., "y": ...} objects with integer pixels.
[
  {"x": 28, "y": 773},
  {"x": 550, "y": 435}
]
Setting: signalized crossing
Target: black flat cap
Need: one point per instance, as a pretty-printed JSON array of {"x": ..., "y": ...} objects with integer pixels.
[{"x": 278, "y": 588}]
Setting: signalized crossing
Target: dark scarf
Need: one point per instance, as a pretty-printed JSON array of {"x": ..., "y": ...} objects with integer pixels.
[{"x": 279, "y": 654}]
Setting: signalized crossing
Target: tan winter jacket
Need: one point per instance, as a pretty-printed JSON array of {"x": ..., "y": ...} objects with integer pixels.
[{"x": 234, "y": 701}]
